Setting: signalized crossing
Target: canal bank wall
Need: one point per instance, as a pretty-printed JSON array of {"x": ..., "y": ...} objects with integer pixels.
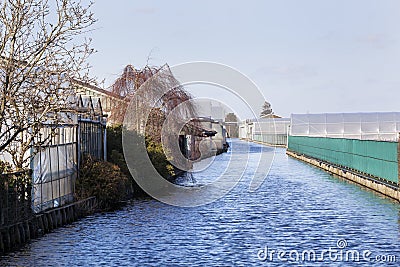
[
  {"x": 13, "y": 236},
  {"x": 375, "y": 183}
]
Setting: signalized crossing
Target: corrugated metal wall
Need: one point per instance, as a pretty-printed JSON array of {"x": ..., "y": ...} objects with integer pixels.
[{"x": 377, "y": 158}]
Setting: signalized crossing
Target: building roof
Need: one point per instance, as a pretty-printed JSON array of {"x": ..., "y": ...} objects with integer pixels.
[
  {"x": 271, "y": 116},
  {"x": 96, "y": 89}
]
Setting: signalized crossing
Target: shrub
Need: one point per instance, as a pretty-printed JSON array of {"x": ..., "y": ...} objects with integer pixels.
[
  {"x": 114, "y": 140},
  {"x": 154, "y": 150},
  {"x": 103, "y": 180},
  {"x": 159, "y": 159}
]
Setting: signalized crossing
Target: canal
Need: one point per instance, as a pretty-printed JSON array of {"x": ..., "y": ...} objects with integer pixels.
[{"x": 299, "y": 214}]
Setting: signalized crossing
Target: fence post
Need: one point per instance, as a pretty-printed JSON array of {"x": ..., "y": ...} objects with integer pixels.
[
  {"x": 105, "y": 142},
  {"x": 2, "y": 199},
  {"x": 398, "y": 159},
  {"x": 78, "y": 144}
]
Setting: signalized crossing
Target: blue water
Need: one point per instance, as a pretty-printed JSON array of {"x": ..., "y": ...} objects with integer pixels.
[{"x": 297, "y": 208}]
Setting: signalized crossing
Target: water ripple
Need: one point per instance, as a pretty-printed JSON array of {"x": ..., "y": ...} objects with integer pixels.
[{"x": 298, "y": 207}]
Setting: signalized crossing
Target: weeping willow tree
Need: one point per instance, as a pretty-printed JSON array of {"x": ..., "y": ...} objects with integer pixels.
[
  {"x": 157, "y": 107},
  {"x": 157, "y": 93}
]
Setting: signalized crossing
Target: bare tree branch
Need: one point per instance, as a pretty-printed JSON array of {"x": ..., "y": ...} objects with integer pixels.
[{"x": 41, "y": 51}]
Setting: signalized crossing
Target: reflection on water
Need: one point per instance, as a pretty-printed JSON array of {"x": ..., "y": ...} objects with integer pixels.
[{"x": 298, "y": 207}]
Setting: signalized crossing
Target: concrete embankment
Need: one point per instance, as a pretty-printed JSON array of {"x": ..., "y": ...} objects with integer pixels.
[
  {"x": 18, "y": 234},
  {"x": 379, "y": 185}
]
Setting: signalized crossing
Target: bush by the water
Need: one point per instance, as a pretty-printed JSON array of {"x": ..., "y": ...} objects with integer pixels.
[
  {"x": 159, "y": 159},
  {"x": 154, "y": 150},
  {"x": 105, "y": 181}
]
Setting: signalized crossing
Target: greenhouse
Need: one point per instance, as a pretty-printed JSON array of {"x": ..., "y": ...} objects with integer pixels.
[
  {"x": 272, "y": 131},
  {"x": 364, "y": 142}
]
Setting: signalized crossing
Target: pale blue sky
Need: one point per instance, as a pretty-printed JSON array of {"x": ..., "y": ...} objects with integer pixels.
[{"x": 304, "y": 55}]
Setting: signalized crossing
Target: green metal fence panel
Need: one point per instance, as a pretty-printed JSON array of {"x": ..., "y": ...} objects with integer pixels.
[{"x": 376, "y": 158}]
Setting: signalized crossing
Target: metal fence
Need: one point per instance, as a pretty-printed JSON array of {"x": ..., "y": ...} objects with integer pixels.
[
  {"x": 54, "y": 167},
  {"x": 92, "y": 137},
  {"x": 91, "y": 128},
  {"x": 272, "y": 139},
  {"x": 374, "y": 158},
  {"x": 15, "y": 197},
  {"x": 271, "y": 131}
]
